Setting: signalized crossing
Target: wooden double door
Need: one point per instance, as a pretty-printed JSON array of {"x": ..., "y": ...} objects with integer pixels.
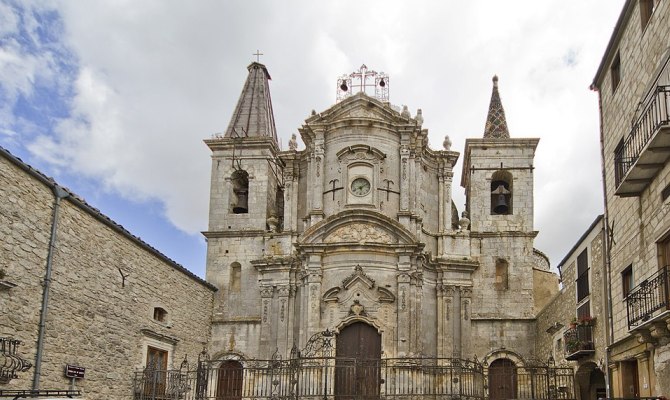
[{"x": 357, "y": 366}]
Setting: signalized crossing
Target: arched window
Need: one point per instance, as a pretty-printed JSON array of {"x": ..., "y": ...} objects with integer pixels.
[
  {"x": 160, "y": 314},
  {"x": 501, "y": 193},
  {"x": 240, "y": 198},
  {"x": 235, "y": 276},
  {"x": 502, "y": 281}
]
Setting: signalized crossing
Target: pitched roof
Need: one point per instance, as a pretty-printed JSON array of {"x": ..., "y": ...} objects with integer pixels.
[
  {"x": 95, "y": 213},
  {"x": 496, "y": 124},
  {"x": 253, "y": 116}
]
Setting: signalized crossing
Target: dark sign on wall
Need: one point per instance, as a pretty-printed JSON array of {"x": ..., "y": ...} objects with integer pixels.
[{"x": 72, "y": 371}]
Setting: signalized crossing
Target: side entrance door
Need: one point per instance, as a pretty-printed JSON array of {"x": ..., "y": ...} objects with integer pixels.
[
  {"x": 502, "y": 380},
  {"x": 357, "y": 368}
]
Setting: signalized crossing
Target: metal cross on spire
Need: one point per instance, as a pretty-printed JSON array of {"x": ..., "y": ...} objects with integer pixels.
[{"x": 258, "y": 55}]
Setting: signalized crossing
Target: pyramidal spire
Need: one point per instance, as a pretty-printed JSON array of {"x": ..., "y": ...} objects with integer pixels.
[
  {"x": 496, "y": 124},
  {"x": 253, "y": 116}
]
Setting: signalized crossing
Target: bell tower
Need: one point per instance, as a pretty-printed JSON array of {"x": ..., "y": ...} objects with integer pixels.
[
  {"x": 498, "y": 175},
  {"x": 246, "y": 204}
]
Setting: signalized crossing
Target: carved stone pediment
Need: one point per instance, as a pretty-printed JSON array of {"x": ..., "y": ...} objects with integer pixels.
[
  {"x": 360, "y": 233},
  {"x": 360, "y": 152},
  {"x": 358, "y": 275}
]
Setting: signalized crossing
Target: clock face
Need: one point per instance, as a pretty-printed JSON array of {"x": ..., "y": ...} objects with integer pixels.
[{"x": 360, "y": 186}]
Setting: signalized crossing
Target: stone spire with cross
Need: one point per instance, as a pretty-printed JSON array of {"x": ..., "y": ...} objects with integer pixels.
[
  {"x": 496, "y": 124},
  {"x": 253, "y": 115}
]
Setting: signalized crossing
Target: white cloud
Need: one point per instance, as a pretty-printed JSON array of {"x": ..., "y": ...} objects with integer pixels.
[{"x": 157, "y": 77}]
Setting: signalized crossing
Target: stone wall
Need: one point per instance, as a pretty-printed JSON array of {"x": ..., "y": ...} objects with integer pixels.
[
  {"x": 639, "y": 222},
  {"x": 96, "y": 318},
  {"x": 554, "y": 319}
]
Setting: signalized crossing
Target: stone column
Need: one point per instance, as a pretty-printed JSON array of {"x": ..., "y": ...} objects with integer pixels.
[
  {"x": 442, "y": 206},
  {"x": 448, "y": 333},
  {"x": 292, "y": 301},
  {"x": 317, "y": 179},
  {"x": 448, "y": 177},
  {"x": 403, "y": 313},
  {"x": 282, "y": 319},
  {"x": 404, "y": 178},
  {"x": 417, "y": 291},
  {"x": 313, "y": 286},
  {"x": 266, "y": 344},
  {"x": 439, "y": 312},
  {"x": 466, "y": 321},
  {"x": 290, "y": 200},
  {"x": 456, "y": 351}
]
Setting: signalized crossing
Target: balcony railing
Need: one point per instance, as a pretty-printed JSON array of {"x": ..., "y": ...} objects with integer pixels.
[
  {"x": 578, "y": 342},
  {"x": 648, "y": 297},
  {"x": 654, "y": 116}
]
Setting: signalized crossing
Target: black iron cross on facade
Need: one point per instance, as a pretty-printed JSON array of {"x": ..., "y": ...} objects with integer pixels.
[
  {"x": 334, "y": 189},
  {"x": 387, "y": 189}
]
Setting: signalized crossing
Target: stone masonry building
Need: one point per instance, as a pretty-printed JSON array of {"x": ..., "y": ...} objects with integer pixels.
[
  {"x": 573, "y": 326},
  {"x": 633, "y": 83},
  {"x": 357, "y": 234},
  {"x": 77, "y": 289}
]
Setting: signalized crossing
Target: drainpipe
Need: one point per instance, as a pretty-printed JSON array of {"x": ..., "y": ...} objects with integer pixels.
[
  {"x": 609, "y": 329},
  {"x": 59, "y": 194}
]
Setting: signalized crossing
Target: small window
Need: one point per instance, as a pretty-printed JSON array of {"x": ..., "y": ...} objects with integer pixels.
[
  {"x": 582, "y": 275},
  {"x": 235, "y": 276},
  {"x": 646, "y": 9},
  {"x": 160, "y": 314},
  {"x": 615, "y": 71},
  {"x": 664, "y": 253},
  {"x": 584, "y": 311},
  {"x": 627, "y": 280},
  {"x": 502, "y": 280}
]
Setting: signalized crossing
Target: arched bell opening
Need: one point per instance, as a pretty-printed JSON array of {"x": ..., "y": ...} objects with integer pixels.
[
  {"x": 501, "y": 193},
  {"x": 240, "y": 200}
]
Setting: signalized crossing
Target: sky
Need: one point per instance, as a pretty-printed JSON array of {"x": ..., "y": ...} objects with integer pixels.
[{"x": 114, "y": 98}]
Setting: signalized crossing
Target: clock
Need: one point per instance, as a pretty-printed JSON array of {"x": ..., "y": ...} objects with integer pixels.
[{"x": 360, "y": 186}]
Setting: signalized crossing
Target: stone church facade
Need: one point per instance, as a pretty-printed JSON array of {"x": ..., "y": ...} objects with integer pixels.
[{"x": 357, "y": 234}]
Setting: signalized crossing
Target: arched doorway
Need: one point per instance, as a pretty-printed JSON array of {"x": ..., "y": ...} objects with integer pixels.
[
  {"x": 229, "y": 382},
  {"x": 590, "y": 381},
  {"x": 502, "y": 379},
  {"x": 358, "y": 352}
]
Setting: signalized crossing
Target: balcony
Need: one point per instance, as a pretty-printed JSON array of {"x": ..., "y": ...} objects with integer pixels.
[
  {"x": 578, "y": 342},
  {"x": 647, "y": 148},
  {"x": 648, "y": 302}
]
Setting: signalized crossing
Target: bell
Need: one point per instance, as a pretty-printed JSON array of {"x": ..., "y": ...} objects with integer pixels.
[
  {"x": 242, "y": 206},
  {"x": 382, "y": 83},
  {"x": 500, "y": 206},
  {"x": 344, "y": 87}
]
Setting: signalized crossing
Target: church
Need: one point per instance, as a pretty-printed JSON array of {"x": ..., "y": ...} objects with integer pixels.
[
  {"x": 357, "y": 235},
  {"x": 341, "y": 270}
]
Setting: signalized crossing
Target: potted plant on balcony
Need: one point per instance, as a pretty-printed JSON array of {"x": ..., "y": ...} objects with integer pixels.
[
  {"x": 572, "y": 345},
  {"x": 573, "y": 323},
  {"x": 586, "y": 320}
]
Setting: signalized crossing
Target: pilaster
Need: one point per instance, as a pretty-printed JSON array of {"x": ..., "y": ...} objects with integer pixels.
[{"x": 266, "y": 348}]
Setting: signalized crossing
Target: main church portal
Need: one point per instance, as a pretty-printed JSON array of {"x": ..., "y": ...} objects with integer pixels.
[{"x": 357, "y": 368}]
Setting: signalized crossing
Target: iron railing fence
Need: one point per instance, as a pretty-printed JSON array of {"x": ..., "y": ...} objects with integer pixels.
[
  {"x": 634, "y": 398},
  {"x": 578, "y": 338},
  {"x": 648, "y": 297},
  {"x": 655, "y": 114},
  {"x": 539, "y": 382},
  {"x": 331, "y": 378}
]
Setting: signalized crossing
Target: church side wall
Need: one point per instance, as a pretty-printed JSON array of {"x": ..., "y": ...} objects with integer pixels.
[{"x": 95, "y": 319}]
